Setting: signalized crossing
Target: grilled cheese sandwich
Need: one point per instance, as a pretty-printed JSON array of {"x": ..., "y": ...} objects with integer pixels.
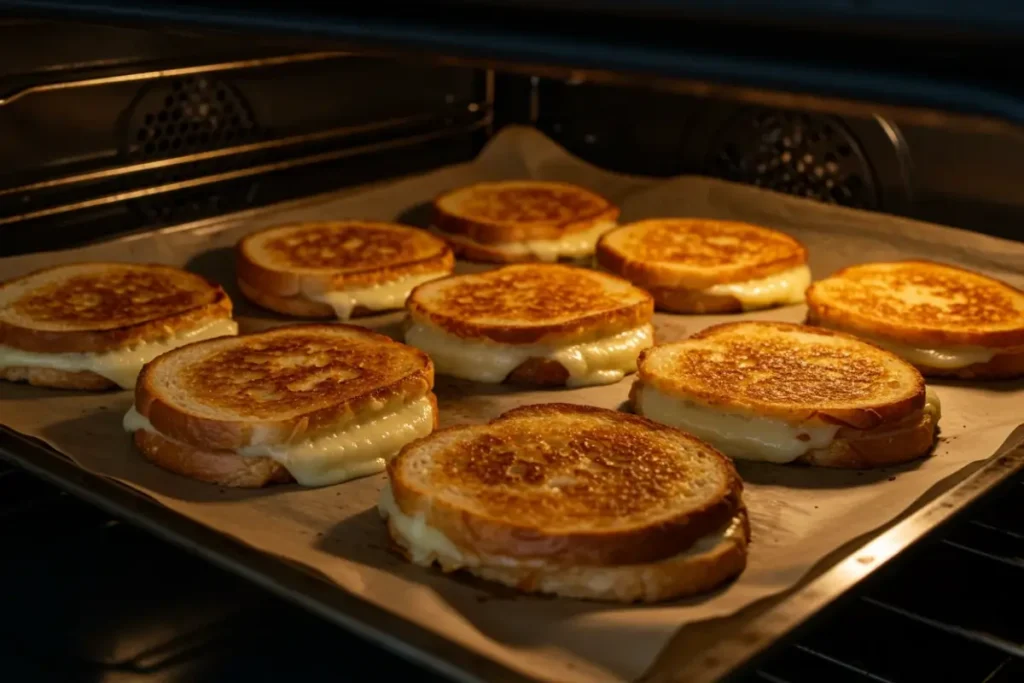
[
  {"x": 523, "y": 220},
  {"x": 707, "y": 266},
  {"x": 94, "y": 325},
  {"x": 315, "y": 404},
  {"x": 570, "y": 500},
  {"x": 945, "y": 320},
  {"x": 339, "y": 269},
  {"x": 540, "y": 324},
  {"x": 782, "y": 393}
]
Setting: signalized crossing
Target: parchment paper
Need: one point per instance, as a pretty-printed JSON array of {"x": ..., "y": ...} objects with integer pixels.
[{"x": 799, "y": 515}]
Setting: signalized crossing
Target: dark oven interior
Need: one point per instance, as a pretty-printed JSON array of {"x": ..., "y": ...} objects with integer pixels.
[{"x": 109, "y": 130}]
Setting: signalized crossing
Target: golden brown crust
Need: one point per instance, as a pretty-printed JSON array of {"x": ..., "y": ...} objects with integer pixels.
[
  {"x": 514, "y": 211},
  {"x": 952, "y": 307},
  {"x": 284, "y": 261},
  {"x": 297, "y": 306},
  {"x": 765, "y": 368},
  {"x": 482, "y": 254},
  {"x": 529, "y": 303},
  {"x": 696, "y": 253},
  {"x": 675, "y": 577},
  {"x": 693, "y": 301},
  {"x": 180, "y": 300},
  {"x": 886, "y": 445},
  {"x": 342, "y": 378},
  {"x": 506, "y": 466},
  {"x": 57, "y": 379},
  {"x": 215, "y": 467}
]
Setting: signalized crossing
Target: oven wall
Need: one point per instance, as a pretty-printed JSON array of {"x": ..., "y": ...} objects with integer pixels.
[{"x": 109, "y": 130}]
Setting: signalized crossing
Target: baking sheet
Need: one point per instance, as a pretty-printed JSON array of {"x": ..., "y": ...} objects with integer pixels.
[{"x": 798, "y": 515}]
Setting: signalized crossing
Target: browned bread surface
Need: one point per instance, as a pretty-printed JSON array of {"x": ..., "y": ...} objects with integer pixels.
[
  {"x": 517, "y": 210},
  {"x": 224, "y": 468},
  {"x": 286, "y": 260},
  {"x": 696, "y": 253},
  {"x": 680, "y": 576},
  {"x": 887, "y": 444},
  {"x": 57, "y": 379},
  {"x": 95, "y": 307},
  {"x": 295, "y": 306},
  {"x": 920, "y": 303},
  {"x": 527, "y": 303},
  {"x": 794, "y": 372},
  {"x": 567, "y": 484},
  {"x": 693, "y": 301},
  {"x": 275, "y": 386}
]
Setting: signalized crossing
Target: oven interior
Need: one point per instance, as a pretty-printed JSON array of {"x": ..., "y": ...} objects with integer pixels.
[{"x": 110, "y": 130}]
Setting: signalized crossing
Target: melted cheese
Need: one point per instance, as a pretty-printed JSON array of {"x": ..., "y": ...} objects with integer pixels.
[
  {"x": 745, "y": 436},
  {"x": 572, "y": 246},
  {"x": 604, "y": 361},
  {"x": 333, "y": 457},
  {"x": 787, "y": 287},
  {"x": 426, "y": 544},
  {"x": 385, "y": 296},
  {"x": 942, "y": 358},
  {"x": 121, "y": 366}
]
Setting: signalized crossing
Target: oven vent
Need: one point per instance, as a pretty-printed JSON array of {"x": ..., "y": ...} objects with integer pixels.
[
  {"x": 187, "y": 116},
  {"x": 796, "y": 153}
]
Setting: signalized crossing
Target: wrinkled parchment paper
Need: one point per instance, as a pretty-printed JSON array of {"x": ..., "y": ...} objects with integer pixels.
[{"x": 799, "y": 515}]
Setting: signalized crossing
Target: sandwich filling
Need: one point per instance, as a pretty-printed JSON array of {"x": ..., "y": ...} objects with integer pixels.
[
  {"x": 786, "y": 287},
  {"x": 571, "y": 246},
  {"x": 602, "y": 361},
  {"x": 333, "y": 456},
  {"x": 940, "y": 358},
  {"x": 121, "y": 366},
  {"x": 384, "y": 296},
  {"x": 747, "y": 436},
  {"x": 426, "y": 545}
]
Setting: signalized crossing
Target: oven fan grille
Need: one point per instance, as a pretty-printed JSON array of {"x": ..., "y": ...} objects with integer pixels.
[
  {"x": 799, "y": 154},
  {"x": 185, "y": 117}
]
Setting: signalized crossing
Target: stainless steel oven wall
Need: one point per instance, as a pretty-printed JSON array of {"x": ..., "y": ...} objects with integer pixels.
[
  {"x": 957, "y": 178},
  {"x": 105, "y": 130}
]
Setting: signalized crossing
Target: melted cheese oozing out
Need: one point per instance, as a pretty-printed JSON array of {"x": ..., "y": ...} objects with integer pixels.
[
  {"x": 385, "y": 296},
  {"x": 572, "y": 246},
  {"x": 787, "y": 287},
  {"x": 745, "y": 436},
  {"x": 333, "y": 457},
  {"x": 943, "y": 358},
  {"x": 121, "y": 366},
  {"x": 425, "y": 544},
  {"x": 604, "y": 361}
]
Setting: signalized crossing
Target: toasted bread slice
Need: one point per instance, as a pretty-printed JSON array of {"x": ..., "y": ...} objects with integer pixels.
[
  {"x": 530, "y": 303},
  {"x": 92, "y": 325},
  {"x": 572, "y": 500},
  {"x": 338, "y": 268},
  {"x": 277, "y": 391},
  {"x": 539, "y": 324},
  {"x": 692, "y": 265},
  {"x": 782, "y": 392},
  {"x": 944, "y": 319},
  {"x": 523, "y": 220}
]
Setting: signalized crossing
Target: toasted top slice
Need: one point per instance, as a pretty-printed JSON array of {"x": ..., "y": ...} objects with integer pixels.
[
  {"x": 92, "y": 307},
  {"x": 518, "y": 210},
  {"x": 793, "y": 372},
  {"x": 696, "y": 253},
  {"x": 570, "y": 484},
  {"x": 921, "y": 302},
  {"x": 278, "y": 386},
  {"x": 532, "y": 302},
  {"x": 332, "y": 255}
]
